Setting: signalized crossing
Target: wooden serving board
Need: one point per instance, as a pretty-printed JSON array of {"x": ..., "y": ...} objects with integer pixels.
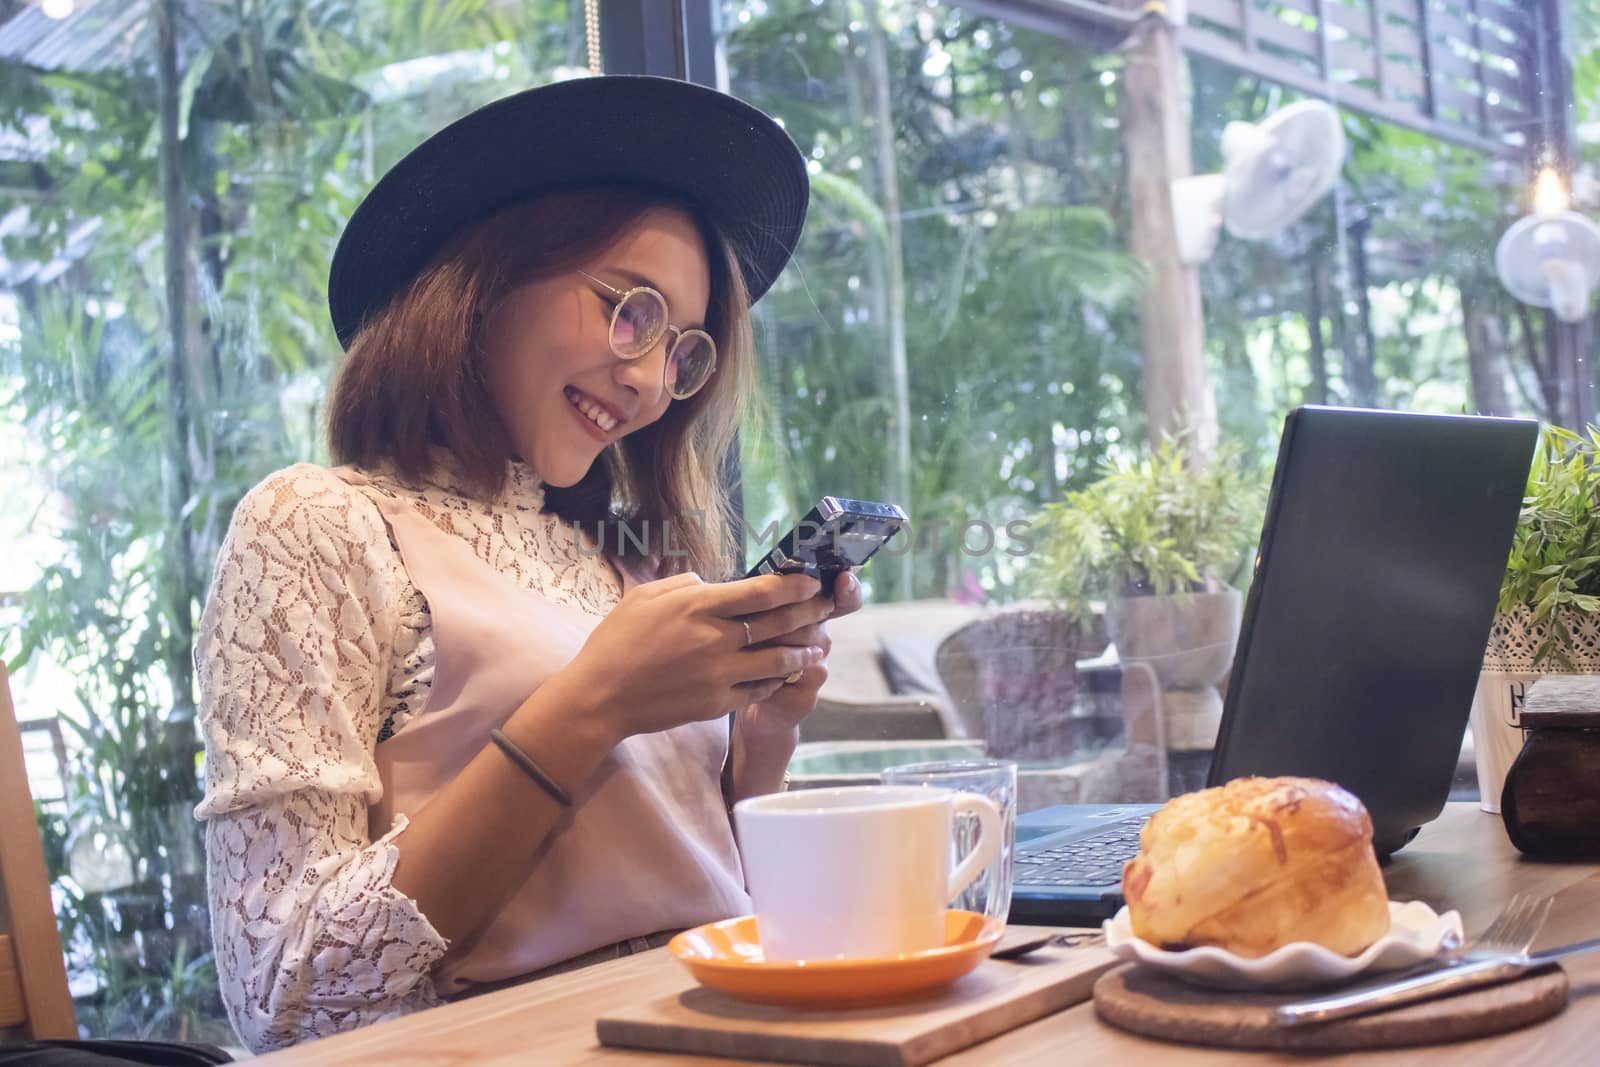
[
  {"x": 1144, "y": 1001},
  {"x": 997, "y": 997}
]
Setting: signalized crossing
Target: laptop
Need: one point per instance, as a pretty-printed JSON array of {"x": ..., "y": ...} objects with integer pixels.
[{"x": 1381, "y": 555}]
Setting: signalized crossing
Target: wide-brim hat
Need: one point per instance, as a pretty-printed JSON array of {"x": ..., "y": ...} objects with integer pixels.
[{"x": 728, "y": 160}]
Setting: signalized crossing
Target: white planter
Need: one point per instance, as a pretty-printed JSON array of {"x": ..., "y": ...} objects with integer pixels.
[
  {"x": 1189, "y": 642},
  {"x": 1508, "y": 672}
]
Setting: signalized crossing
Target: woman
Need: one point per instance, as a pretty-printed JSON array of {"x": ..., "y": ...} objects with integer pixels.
[{"x": 452, "y": 738}]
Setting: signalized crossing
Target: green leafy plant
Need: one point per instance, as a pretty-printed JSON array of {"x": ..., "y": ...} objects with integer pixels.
[
  {"x": 1155, "y": 524},
  {"x": 1555, "y": 554}
]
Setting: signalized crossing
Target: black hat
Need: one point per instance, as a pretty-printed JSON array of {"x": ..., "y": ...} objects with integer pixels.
[{"x": 723, "y": 156}]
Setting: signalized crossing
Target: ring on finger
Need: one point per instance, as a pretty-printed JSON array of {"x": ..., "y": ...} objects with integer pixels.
[
  {"x": 790, "y": 679},
  {"x": 749, "y": 638}
]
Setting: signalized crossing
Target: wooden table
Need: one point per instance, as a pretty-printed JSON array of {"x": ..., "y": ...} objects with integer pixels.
[{"x": 1461, "y": 861}]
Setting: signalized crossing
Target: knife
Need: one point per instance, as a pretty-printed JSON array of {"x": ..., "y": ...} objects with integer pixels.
[{"x": 1442, "y": 981}]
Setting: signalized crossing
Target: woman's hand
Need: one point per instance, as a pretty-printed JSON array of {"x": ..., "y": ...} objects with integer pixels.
[
  {"x": 765, "y": 733},
  {"x": 792, "y": 702},
  {"x": 680, "y": 650}
]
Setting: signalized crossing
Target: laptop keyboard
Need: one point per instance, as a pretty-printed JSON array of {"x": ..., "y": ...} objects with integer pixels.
[{"x": 1093, "y": 860}]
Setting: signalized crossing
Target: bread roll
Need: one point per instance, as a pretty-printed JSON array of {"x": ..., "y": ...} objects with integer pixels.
[{"x": 1256, "y": 864}]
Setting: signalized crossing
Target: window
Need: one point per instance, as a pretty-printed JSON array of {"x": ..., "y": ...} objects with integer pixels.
[
  {"x": 962, "y": 331},
  {"x": 968, "y": 330},
  {"x": 122, "y": 472}
]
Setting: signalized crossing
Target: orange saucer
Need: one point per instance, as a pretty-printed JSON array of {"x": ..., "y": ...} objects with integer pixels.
[{"x": 726, "y": 956}]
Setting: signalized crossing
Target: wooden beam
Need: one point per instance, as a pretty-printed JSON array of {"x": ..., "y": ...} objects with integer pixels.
[
  {"x": 1324, "y": 57},
  {"x": 1277, "y": 32},
  {"x": 37, "y": 978},
  {"x": 1234, "y": 14},
  {"x": 1477, "y": 47},
  {"x": 1379, "y": 36},
  {"x": 1155, "y": 137},
  {"x": 1095, "y": 26},
  {"x": 1210, "y": 46},
  {"x": 1430, "y": 98},
  {"x": 13, "y": 1010},
  {"x": 1404, "y": 53}
]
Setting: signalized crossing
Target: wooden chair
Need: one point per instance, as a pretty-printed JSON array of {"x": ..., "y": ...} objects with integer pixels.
[
  {"x": 34, "y": 1001},
  {"x": 1013, "y": 678}
]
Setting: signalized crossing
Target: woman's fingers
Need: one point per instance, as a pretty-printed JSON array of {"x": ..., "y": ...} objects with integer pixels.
[
  {"x": 751, "y": 596},
  {"x": 768, "y": 625},
  {"x": 814, "y": 634},
  {"x": 801, "y": 693},
  {"x": 670, "y": 584},
  {"x": 775, "y": 661},
  {"x": 846, "y": 594}
]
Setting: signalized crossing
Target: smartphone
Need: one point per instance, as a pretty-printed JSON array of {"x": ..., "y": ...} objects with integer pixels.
[{"x": 834, "y": 536}]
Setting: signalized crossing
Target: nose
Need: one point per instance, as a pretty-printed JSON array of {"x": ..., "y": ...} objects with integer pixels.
[{"x": 646, "y": 375}]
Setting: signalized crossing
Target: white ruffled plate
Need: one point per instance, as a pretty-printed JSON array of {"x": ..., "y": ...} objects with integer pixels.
[{"x": 1416, "y": 934}]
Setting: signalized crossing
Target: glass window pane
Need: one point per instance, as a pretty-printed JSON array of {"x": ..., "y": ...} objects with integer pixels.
[
  {"x": 999, "y": 311},
  {"x": 128, "y": 442}
]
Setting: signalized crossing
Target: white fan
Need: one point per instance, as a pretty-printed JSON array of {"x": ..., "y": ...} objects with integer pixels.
[
  {"x": 1272, "y": 173},
  {"x": 1551, "y": 261}
]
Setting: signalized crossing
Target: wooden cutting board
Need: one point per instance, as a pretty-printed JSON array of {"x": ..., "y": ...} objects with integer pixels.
[
  {"x": 1144, "y": 1001},
  {"x": 997, "y": 997}
]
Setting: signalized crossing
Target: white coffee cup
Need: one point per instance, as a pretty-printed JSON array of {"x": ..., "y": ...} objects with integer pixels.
[
  {"x": 858, "y": 871},
  {"x": 1497, "y": 733}
]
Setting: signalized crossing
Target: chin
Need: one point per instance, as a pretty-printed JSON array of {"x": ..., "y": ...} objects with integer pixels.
[
  {"x": 564, "y": 471},
  {"x": 561, "y": 476}
]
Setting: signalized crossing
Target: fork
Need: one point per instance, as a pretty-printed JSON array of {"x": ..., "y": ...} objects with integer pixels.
[{"x": 1499, "y": 953}]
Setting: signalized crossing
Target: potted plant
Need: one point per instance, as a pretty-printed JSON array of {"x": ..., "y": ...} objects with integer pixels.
[
  {"x": 1548, "y": 617},
  {"x": 1160, "y": 540}
]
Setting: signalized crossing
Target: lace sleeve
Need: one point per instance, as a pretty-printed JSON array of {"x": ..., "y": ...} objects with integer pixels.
[{"x": 294, "y": 655}]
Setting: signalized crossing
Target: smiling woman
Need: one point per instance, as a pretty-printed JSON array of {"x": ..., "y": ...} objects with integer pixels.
[
  {"x": 413, "y": 665},
  {"x": 502, "y": 341},
  {"x": 579, "y": 343}
]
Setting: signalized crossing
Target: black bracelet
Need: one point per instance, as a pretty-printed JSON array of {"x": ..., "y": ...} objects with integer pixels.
[{"x": 530, "y": 768}]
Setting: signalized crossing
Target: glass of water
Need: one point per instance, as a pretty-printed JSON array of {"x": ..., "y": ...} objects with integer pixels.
[{"x": 996, "y": 779}]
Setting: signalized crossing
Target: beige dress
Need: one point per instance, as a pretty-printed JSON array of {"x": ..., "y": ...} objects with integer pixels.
[{"x": 361, "y": 639}]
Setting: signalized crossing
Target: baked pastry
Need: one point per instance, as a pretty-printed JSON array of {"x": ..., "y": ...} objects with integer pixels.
[{"x": 1256, "y": 864}]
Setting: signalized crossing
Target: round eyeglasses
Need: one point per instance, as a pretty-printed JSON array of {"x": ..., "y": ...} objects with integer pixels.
[{"x": 639, "y": 321}]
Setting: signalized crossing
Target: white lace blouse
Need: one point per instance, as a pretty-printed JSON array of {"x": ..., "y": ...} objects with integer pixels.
[{"x": 314, "y": 645}]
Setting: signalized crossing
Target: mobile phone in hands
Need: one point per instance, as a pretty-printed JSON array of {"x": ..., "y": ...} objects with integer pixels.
[{"x": 835, "y": 535}]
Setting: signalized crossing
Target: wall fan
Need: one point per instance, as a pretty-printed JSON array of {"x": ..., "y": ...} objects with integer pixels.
[
  {"x": 1272, "y": 173},
  {"x": 1551, "y": 258}
]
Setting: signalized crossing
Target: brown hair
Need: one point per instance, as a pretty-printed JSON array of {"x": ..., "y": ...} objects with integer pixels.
[{"x": 413, "y": 380}]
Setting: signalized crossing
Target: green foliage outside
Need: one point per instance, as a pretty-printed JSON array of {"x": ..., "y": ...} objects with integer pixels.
[
  {"x": 1554, "y": 566},
  {"x": 969, "y": 227},
  {"x": 1152, "y": 525},
  {"x": 1017, "y": 308}
]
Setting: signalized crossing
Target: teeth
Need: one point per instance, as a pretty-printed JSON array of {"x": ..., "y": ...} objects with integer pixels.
[{"x": 596, "y": 414}]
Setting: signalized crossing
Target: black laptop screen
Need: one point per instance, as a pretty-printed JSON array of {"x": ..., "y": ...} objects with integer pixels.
[{"x": 1385, "y": 541}]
